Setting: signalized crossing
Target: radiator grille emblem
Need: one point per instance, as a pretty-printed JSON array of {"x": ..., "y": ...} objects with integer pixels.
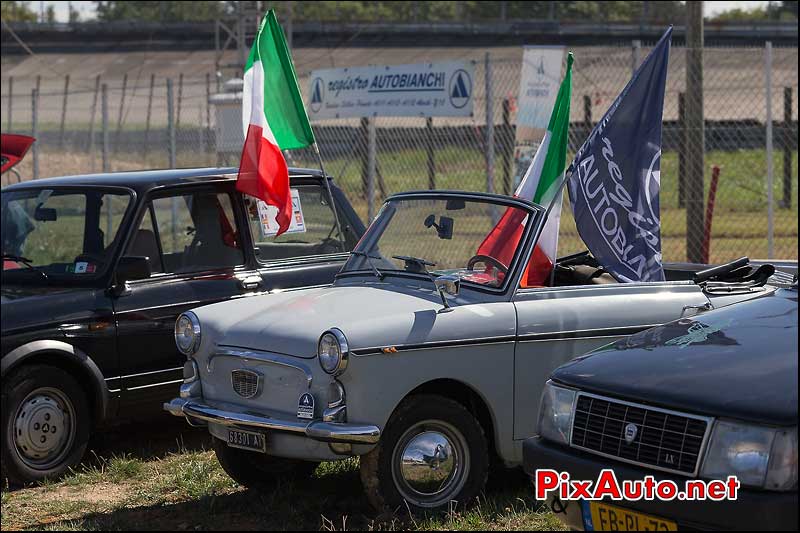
[{"x": 246, "y": 383}]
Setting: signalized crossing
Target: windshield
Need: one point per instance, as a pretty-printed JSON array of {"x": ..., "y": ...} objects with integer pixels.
[
  {"x": 52, "y": 232},
  {"x": 473, "y": 239}
]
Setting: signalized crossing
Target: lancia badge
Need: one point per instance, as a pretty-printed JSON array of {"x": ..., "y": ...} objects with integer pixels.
[
  {"x": 630, "y": 433},
  {"x": 305, "y": 406}
]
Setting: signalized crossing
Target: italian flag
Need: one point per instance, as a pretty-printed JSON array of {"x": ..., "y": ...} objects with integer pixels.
[
  {"x": 274, "y": 119},
  {"x": 540, "y": 185}
]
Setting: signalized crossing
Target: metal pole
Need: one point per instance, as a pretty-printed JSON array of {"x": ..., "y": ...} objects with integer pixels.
[
  {"x": 787, "y": 148},
  {"x": 121, "y": 107},
  {"x": 149, "y": 114},
  {"x": 489, "y": 124},
  {"x": 289, "y": 24},
  {"x": 330, "y": 196},
  {"x": 636, "y": 48},
  {"x": 91, "y": 120},
  {"x": 695, "y": 144},
  {"x": 208, "y": 113},
  {"x": 430, "y": 153},
  {"x": 63, "y": 113},
  {"x": 372, "y": 142},
  {"x": 10, "y": 101},
  {"x": 770, "y": 165},
  {"x": 170, "y": 124},
  {"x": 180, "y": 99},
  {"x": 35, "y": 130},
  {"x": 104, "y": 125}
]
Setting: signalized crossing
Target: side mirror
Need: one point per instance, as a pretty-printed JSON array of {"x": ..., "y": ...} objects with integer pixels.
[
  {"x": 132, "y": 267},
  {"x": 450, "y": 285}
]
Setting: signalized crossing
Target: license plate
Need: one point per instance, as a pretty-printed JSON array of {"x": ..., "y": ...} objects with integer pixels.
[
  {"x": 247, "y": 440},
  {"x": 611, "y": 518}
]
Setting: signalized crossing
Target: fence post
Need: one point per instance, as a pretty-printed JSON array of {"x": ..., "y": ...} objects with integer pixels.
[
  {"x": 507, "y": 146},
  {"x": 91, "y": 120},
  {"x": 487, "y": 69},
  {"x": 430, "y": 153},
  {"x": 149, "y": 114},
  {"x": 208, "y": 113},
  {"x": 695, "y": 127},
  {"x": 364, "y": 145},
  {"x": 121, "y": 108},
  {"x": 104, "y": 126},
  {"x": 170, "y": 124},
  {"x": 10, "y": 101},
  {"x": 372, "y": 162},
  {"x": 35, "y": 130},
  {"x": 63, "y": 113},
  {"x": 636, "y": 48},
  {"x": 786, "y": 203},
  {"x": 770, "y": 162},
  {"x": 587, "y": 115},
  {"x": 684, "y": 135},
  {"x": 180, "y": 99}
]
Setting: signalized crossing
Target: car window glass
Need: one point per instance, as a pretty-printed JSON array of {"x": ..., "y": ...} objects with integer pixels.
[
  {"x": 313, "y": 232},
  {"x": 144, "y": 243},
  {"x": 195, "y": 232}
]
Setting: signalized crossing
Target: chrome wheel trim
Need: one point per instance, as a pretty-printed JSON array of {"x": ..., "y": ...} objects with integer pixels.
[
  {"x": 44, "y": 428},
  {"x": 430, "y": 463}
]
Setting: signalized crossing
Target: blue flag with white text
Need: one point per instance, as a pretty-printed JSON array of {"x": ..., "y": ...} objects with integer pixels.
[{"x": 615, "y": 178}]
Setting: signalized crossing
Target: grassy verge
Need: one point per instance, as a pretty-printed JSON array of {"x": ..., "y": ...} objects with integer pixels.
[{"x": 173, "y": 482}]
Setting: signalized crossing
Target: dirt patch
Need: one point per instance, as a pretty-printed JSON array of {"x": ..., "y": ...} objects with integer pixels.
[{"x": 97, "y": 494}]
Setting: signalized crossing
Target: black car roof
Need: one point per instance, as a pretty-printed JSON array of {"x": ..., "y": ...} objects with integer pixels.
[{"x": 144, "y": 180}]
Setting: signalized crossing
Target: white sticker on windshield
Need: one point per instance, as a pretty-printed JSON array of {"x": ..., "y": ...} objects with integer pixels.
[{"x": 268, "y": 213}]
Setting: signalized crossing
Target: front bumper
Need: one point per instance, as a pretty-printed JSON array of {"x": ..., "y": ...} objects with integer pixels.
[
  {"x": 753, "y": 510},
  {"x": 318, "y": 430}
]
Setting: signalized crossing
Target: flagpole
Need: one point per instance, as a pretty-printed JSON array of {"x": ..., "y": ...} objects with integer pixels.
[
  {"x": 557, "y": 196},
  {"x": 330, "y": 195}
]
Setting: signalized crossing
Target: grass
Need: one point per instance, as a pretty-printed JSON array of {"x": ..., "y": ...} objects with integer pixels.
[{"x": 158, "y": 482}]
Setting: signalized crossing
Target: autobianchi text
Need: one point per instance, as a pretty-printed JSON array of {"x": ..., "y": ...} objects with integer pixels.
[{"x": 606, "y": 486}]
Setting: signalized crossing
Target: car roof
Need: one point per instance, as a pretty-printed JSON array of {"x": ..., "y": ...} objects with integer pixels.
[{"x": 144, "y": 180}]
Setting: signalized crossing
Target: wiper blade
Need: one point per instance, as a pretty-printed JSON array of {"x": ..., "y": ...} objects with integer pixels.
[
  {"x": 378, "y": 273},
  {"x": 25, "y": 261}
]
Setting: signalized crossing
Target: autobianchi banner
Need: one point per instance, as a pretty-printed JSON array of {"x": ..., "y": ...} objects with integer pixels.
[{"x": 418, "y": 90}]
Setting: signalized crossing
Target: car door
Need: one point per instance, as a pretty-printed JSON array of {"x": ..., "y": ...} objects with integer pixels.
[
  {"x": 196, "y": 258},
  {"x": 312, "y": 251},
  {"x": 556, "y": 324}
]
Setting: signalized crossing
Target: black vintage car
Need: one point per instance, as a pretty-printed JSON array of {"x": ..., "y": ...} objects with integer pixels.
[
  {"x": 702, "y": 398},
  {"x": 97, "y": 268}
]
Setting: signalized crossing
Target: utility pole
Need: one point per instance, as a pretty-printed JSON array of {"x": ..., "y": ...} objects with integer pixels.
[{"x": 695, "y": 131}]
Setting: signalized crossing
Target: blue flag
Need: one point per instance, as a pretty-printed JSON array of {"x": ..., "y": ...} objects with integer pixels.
[{"x": 615, "y": 178}]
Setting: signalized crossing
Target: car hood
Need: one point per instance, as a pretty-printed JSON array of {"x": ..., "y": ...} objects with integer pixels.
[
  {"x": 31, "y": 305},
  {"x": 737, "y": 362},
  {"x": 371, "y": 316}
]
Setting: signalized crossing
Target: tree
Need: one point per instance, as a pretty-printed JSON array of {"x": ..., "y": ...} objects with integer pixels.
[
  {"x": 16, "y": 12},
  {"x": 168, "y": 11},
  {"x": 50, "y": 14},
  {"x": 74, "y": 15}
]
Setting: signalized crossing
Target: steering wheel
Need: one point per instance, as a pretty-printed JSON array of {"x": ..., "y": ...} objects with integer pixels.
[{"x": 487, "y": 259}]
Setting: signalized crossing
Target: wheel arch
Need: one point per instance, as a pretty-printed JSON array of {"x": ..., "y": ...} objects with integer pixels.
[{"x": 68, "y": 358}]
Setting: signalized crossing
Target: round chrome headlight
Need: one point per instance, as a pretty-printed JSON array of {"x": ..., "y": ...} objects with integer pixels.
[
  {"x": 333, "y": 351},
  {"x": 187, "y": 333}
]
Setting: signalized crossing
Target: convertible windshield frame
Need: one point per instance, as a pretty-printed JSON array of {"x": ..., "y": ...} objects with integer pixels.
[
  {"x": 113, "y": 255},
  {"x": 535, "y": 212}
]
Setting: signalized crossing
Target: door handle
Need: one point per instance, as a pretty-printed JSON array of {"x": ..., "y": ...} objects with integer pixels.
[
  {"x": 250, "y": 282},
  {"x": 697, "y": 309}
]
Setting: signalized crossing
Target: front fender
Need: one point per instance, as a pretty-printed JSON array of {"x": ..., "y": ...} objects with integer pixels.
[{"x": 75, "y": 359}]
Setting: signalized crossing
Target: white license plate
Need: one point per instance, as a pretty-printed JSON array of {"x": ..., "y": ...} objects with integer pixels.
[{"x": 247, "y": 440}]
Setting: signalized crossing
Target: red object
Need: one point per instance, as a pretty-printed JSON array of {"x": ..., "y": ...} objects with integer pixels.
[
  {"x": 13, "y": 148},
  {"x": 263, "y": 174},
  {"x": 712, "y": 196}
]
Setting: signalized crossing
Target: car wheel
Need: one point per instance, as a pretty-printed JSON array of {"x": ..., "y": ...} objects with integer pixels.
[
  {"x": 45, "y": 423},
  {"x": 432, "y": 453},
  {"x": 257, "y": 470}
]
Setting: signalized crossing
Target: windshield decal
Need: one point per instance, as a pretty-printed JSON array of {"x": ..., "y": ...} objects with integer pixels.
[{"x": 267, "y": 215}]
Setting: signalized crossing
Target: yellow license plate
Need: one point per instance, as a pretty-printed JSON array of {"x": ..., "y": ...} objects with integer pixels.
[{"x": 612, "y": 518}]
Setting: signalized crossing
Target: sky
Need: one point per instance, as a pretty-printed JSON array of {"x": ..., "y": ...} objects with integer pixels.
[{"x": 86, "y": 8}]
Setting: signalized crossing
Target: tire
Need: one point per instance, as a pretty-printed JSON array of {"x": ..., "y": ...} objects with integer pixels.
[
  {"x": 260, "y": 471},
  {"x": 446, "y": 450},
  {"x": 46, "y": 423}
]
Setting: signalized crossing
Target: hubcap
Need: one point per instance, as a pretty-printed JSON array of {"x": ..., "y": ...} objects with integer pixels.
[
  {"x": 44, "y": 428},
  {"x": 430, "y": 464}
]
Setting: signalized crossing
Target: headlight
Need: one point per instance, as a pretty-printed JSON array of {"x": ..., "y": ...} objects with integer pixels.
[
  {"x": 187, "y": 333},
  {"x": 758, "y": 456},
  {"x": 333, "y": 352},
  {"x": 555, "y": 413}
]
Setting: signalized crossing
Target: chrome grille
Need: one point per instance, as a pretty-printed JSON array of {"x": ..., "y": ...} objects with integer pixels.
[
  {"x": 664, "y": 440},
  {"x": 246, "y": 383}
]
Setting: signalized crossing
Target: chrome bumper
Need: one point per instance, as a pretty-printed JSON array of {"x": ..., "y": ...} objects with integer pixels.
[{"x": 317, "y": 430}]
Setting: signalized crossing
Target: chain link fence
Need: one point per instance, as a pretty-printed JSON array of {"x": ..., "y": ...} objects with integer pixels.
[{"x": 137, "y": 120}]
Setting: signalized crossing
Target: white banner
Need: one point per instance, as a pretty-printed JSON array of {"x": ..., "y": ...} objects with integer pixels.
[
  {"x": 538, "y": 87},
  {"x": 420, "y": 90}
]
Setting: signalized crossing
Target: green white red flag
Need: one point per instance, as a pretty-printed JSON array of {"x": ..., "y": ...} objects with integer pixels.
[
  {"x": 274, "y": 119},
  {"x": 540, "y": 185}
]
